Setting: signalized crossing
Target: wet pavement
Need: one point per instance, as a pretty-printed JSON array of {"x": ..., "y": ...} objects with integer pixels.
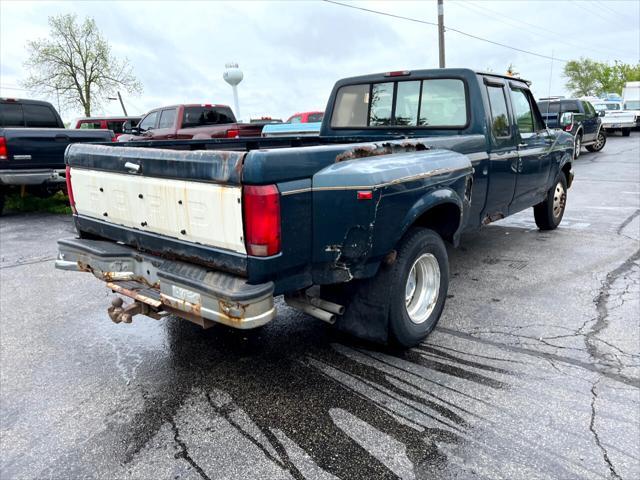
[{"x": 533, "y": 371}]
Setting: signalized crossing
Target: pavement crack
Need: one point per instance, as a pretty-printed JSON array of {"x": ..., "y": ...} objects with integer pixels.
[
  {"x": 184, "y": 452},
  {"x": 602, "y": 319},
  {"x": 605, "y": 455}
]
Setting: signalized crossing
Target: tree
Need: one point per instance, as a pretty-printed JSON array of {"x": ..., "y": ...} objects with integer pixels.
[
  {"x": 587, "y": 77},
  {"x": 582, "y": 77},
  {"x": 76, "y": 63}
]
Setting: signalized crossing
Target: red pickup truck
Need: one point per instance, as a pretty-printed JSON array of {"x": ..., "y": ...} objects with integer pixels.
[{"x": 192, "y": 121}]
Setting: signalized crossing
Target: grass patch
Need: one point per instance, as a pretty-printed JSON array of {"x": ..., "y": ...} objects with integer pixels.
[{"x": 56, "y": 203}]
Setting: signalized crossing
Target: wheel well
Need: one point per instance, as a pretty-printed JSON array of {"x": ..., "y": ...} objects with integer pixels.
[
  {"x": 443, "y": 219},
  {"x": 566, "y": 168}
]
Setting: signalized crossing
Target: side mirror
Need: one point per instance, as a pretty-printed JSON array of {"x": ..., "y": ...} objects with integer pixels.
[
  {"x": 566, "y": 119},
  {"x": 126, "y": 127},
  {"x": 601, "y": 113}
]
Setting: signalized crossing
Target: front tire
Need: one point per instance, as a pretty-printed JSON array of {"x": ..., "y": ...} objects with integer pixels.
[
  {"x": 626, "y": 132},
  {"x": 418, "y": 286},
  {"x": 600, "y": 142},
  {"x": 549, "y": 212},
  {"x": 577, "y": 145}
]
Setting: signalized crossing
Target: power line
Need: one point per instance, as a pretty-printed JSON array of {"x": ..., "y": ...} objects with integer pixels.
[
  {"x": 451, "y": 29},
  {"x": 483, "y": 10}
]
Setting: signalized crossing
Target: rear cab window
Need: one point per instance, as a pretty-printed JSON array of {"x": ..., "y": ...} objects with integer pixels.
[
  {"x": 39, "y": 116},
  {"x": 11, "y": 114},
  {"x": 200, "y": 116},
  {"x": 427, "y": 103}
]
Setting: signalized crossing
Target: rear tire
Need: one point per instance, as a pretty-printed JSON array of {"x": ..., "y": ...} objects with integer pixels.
[
  {"x": 577, "y": 145},
  {"x": 601, "y": 141},
  {"x": 418, "y": 286},
  {"x": 548, "y": 213},
  {"x": 626, "y": 132}
]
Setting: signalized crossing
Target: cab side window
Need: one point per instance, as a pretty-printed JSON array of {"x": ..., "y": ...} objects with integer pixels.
[
  {"x": 499, "y": 113},
  {"x": 149, "y": 122},
  {"x": 522, "y": 111},
  {"x": 167, "y": 118}
]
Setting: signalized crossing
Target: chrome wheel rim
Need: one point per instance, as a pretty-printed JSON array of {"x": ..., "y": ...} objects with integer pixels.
[
  {"x": 422, "y": 287},
  {"x": 559, "y": 200},
  {"x": 578, "y": 146},
  {"x": 599, "y": 141}
]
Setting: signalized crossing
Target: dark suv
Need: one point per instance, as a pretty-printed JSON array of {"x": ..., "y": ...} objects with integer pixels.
[{"x": 579, "y": 118}]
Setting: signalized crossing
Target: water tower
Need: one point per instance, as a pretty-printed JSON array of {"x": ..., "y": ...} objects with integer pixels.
[{"x": 233, "y": 76}]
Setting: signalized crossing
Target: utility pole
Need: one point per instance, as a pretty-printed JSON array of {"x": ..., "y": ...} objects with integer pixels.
[
  {"x": 122, "y": 104},
  {"x": 441, "y": 31}
]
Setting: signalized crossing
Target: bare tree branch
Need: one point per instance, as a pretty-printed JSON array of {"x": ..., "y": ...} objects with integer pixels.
[{"x": 76, "y": 63}]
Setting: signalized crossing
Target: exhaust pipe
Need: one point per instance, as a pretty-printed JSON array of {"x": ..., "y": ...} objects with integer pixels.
[
  {"x": 326, "y": 305},
  {"x": 303, "y": 304},
  {"x": 316, "y": 307}
]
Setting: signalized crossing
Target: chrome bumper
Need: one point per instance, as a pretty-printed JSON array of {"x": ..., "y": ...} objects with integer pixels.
[
  {"x": 31, "y": 177},
  {"x": 186, "y": 290}
]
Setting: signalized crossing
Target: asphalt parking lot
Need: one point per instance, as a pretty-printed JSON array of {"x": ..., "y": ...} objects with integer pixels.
[{"x": 533, "y": 371}]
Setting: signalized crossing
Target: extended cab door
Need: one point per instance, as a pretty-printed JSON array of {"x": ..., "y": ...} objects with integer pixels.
[
  {"x": 503, "y": 156},
  {"x": 534, "y": 157}
]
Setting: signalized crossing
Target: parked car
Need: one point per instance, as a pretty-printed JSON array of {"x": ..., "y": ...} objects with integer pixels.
[
  {"x": 189, "y": 121},
  {"x": 405, "y": 161},
  {"x": 115, "y": 124},
  {"x": 577, "y": 117},
  {"x": 615, "y": 117},
  {"x": 299, "y": 124},
  {"x": 32, "y": 144},
  {"x": 306, "y": 117}
]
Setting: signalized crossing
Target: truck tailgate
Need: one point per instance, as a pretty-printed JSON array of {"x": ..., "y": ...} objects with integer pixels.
[{"x": 193, "y": 197}]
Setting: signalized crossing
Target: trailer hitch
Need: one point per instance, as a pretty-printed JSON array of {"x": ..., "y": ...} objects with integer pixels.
[{"x": 121, "y": 313}]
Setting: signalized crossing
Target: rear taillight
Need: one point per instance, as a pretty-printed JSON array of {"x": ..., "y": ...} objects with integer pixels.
[
  {"x": 4, "y": 155},
  {"x": 233, "y": 133},
  {"x": 72, "y": 201},
  {"x": 568, "y": 128},
  {"x": 261, "y": 206}
]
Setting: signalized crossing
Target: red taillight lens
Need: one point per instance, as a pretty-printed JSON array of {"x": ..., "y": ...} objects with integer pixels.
[
  {"x": 233, "y": 133},
  {"x": 261, "y": 219},
  {"x": 4, "y": 155},
  {"x": 72, "y": 201},
  {"x": 568, "y": 128}
]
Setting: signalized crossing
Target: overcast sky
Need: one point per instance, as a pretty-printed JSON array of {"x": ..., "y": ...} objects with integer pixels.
[{"x": 292, "y": 52}]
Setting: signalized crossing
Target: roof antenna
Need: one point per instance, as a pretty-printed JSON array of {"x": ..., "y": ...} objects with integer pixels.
[{"x": 549, "y": 94}]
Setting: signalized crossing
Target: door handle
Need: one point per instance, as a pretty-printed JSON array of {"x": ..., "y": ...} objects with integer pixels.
[{"x": 522, "y": 145}]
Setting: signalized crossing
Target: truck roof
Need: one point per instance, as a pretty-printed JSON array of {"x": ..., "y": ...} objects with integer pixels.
[
  {"x": 426, "y": 72},
  {"x": 25, "y": 101}
]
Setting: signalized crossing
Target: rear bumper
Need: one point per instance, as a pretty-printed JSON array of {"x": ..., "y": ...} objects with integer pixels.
[
  {"x": 619, "y": 125},
  {"x": 183, "y": 289},
  {"x": 31, "y": 177}
]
